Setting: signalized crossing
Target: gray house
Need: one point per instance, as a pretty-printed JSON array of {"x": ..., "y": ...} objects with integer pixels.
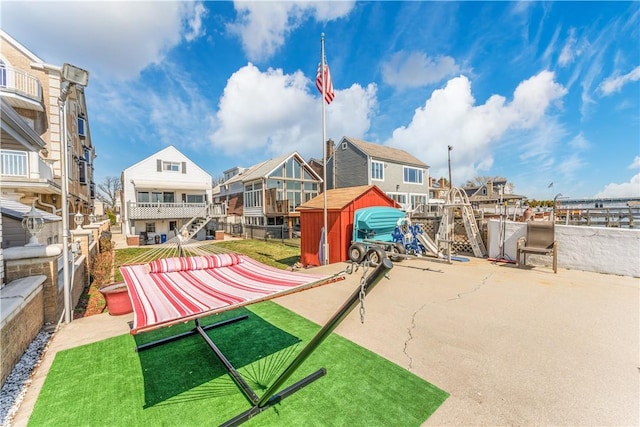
[
  {"x": 402, "y": 176},
  {"x": 269, "y": 192}
]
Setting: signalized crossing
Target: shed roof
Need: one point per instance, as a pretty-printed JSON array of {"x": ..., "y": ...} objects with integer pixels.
[
  {"x": 384, "y": 152},
  {"x": 338, "y": 198}
]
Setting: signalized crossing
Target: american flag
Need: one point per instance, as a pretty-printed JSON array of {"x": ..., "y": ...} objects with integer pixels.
[{"x": 329, "y": 94}]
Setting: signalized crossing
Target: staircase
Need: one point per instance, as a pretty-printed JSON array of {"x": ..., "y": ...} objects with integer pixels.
[
  {"x": 457, "y": 198},
  {"x": 197, "y": 223}
]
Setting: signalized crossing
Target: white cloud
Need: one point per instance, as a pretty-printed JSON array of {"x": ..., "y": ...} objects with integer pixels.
[
  {"x": 450, "y": 117},
  {"x": 114, "y": 39},
  {"x": 267, "y": 113},
  {"x": 263, "y": 26},
  {"x": 614, "y": 84},
  {"x": 568, "y": 52},
  {"x": 579, "y": 142},
  {"x": 415, "y": 69},
  {"x": 635, "y": 164},
  {"x": 626, "y": 189}
]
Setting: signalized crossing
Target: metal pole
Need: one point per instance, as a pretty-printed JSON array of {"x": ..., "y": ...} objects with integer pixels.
[
  {"x": 370, "y": 282},
  {"x": 62, "y": 103},
  {"x": 450, "y": 147},
  {"x": 325, "y": 252}
]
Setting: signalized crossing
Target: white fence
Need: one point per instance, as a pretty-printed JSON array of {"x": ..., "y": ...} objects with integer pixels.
[{"x": 597, "y": 249}]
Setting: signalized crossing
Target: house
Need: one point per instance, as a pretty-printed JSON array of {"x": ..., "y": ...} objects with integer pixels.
[
  {"x": 164, "y": 193},
  {"x": 490, "y": 196},
  {"x": 341, "y": 205},
  {"x": 31, "y": 137},
  {"x": 402, "y": 176},
  {"x": 269, "y": 192}
]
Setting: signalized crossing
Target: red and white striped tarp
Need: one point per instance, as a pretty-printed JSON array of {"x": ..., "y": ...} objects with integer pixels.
[{"x": 166, "y": 292}]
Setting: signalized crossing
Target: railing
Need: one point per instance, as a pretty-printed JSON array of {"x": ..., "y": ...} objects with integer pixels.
[
  {"x": 159, "y": 210},
  {"x": 21, "y": 83},
  {"x": 277, "y": 207},
  {"x": 14, "y": 163}
]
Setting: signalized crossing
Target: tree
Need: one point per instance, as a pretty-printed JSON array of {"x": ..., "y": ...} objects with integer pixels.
[
  {"x": 479, "y": 181},
  {"x": 109, "y": 191}
]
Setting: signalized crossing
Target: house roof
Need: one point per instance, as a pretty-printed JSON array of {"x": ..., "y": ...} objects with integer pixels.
[
  {"x": 170, "y": 152},
  {"x": 264, "y": 168},
  {"x": 17, "y": 210},
  {"x": 338, "y": 198},
  {"x": 383, "y": 152}
]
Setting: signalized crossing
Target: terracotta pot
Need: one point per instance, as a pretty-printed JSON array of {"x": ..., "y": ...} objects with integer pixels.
[{"x": 117, "y": 297}]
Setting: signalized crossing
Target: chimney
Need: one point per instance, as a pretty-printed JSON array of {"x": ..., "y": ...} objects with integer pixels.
[
  {"x": 442, "y": 182},
  {"x": 330, "y": 146},
  {"x": 430, "y": 182}
]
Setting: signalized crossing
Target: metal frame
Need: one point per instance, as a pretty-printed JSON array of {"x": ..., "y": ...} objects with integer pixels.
[{"x": 271, "y": 396}]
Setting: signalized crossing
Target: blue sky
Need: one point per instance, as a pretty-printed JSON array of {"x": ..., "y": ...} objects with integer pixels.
[{"x": 537, "y": 92}]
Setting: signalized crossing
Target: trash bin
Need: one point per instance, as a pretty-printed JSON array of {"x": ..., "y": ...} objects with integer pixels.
[
  {"x": 163, "y": 238},
  {"x": 157, "y": 238}
]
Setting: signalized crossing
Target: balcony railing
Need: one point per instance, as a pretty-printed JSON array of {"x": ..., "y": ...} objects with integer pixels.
[
  {"x": 21, "y": 83},
  {"x": 159, "y": 210},
  {"x": 277, "y": 207},
  {"x": 14, "y": 163}
]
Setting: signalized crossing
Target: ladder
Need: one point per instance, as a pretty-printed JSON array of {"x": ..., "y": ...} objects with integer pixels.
[{"x": 457, "y": 198}]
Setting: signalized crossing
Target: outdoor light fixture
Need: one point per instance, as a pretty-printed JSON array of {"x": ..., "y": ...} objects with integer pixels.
[
  {"x": 92, "y": 217},
  {"x": 33, "y": 222},
  {"x": 78, "y": 218},
  {"x": 75, "y": 75},
  {"x": 70, "y": 76}
]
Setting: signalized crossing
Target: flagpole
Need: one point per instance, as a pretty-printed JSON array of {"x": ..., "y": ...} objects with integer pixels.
[{"x": 325, "y": 252}]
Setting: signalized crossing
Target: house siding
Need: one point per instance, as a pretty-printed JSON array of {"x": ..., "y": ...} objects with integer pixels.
[
  {"x": 148, "y": 175},
  {"x": 352, "y": 168}
]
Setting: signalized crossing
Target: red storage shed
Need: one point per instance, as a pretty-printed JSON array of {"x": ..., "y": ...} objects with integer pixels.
[{"x": 341, "y": 204}]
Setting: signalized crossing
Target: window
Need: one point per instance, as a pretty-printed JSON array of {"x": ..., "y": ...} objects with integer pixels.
[
  {"x": 195, "y": 198},
  {"x": 171, "y": 166},
  {"x": 253, "y": 195},
  {"x": 418, "y": 199},
  {"x": 150, "y": 227},
  {"x": 377, "y": 170},
  {"x": 3, "y": 74},
  {"x": 412, "y": 175},
  {"x": 142, "y": 197},
  {"x": 82, "y": 127},
  {"x": 398, "y": 197},
  {"x": 82, "y": 172}
]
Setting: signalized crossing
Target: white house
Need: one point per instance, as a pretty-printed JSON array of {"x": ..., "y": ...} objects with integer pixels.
[{"x": 164, "y": 193}]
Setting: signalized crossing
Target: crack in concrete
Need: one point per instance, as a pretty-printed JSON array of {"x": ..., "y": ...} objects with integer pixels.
[
  {"x": 481, "y": 284},
  {"x": 412, "y": 326},
  {"x": 409, "y": 331}
]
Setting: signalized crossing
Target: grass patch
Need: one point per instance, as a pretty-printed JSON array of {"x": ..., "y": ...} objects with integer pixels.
[
  {"x": 183, "y": 384},
  {"x": 275, "y": 254}
]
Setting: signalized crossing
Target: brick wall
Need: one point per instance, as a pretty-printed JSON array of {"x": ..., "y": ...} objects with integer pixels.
[{"x": 18, "y": 332}]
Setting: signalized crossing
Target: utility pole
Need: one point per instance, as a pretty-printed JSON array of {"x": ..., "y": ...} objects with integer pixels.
[{"x": 450, "y": 147}]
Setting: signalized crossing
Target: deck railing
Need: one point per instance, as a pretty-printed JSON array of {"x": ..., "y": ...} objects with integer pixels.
[{"x": 160, "y": 210}]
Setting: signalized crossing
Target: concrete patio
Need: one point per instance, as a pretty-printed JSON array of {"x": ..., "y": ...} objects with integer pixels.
[{"x": 512, "y": 346}]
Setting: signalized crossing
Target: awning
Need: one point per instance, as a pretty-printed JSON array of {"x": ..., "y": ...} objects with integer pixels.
[{"x": 17, "y": 210}]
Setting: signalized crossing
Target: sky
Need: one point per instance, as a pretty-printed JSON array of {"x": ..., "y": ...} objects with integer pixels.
[{"x": 545, "y": 94}]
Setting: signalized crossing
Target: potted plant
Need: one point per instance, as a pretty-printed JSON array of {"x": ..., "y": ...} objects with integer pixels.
[{"x": 117, "y": 297}]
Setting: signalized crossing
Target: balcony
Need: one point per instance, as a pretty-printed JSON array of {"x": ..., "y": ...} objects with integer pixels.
[
  {"x": 24, "y": 165},
  {"x": 21, "y": 89},
  {"x": 159, "y": 210},
  {"x": 277, "y": 208}
]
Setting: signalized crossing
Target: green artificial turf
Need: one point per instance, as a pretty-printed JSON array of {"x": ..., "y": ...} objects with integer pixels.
[{"x": 183, "y": 384}]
